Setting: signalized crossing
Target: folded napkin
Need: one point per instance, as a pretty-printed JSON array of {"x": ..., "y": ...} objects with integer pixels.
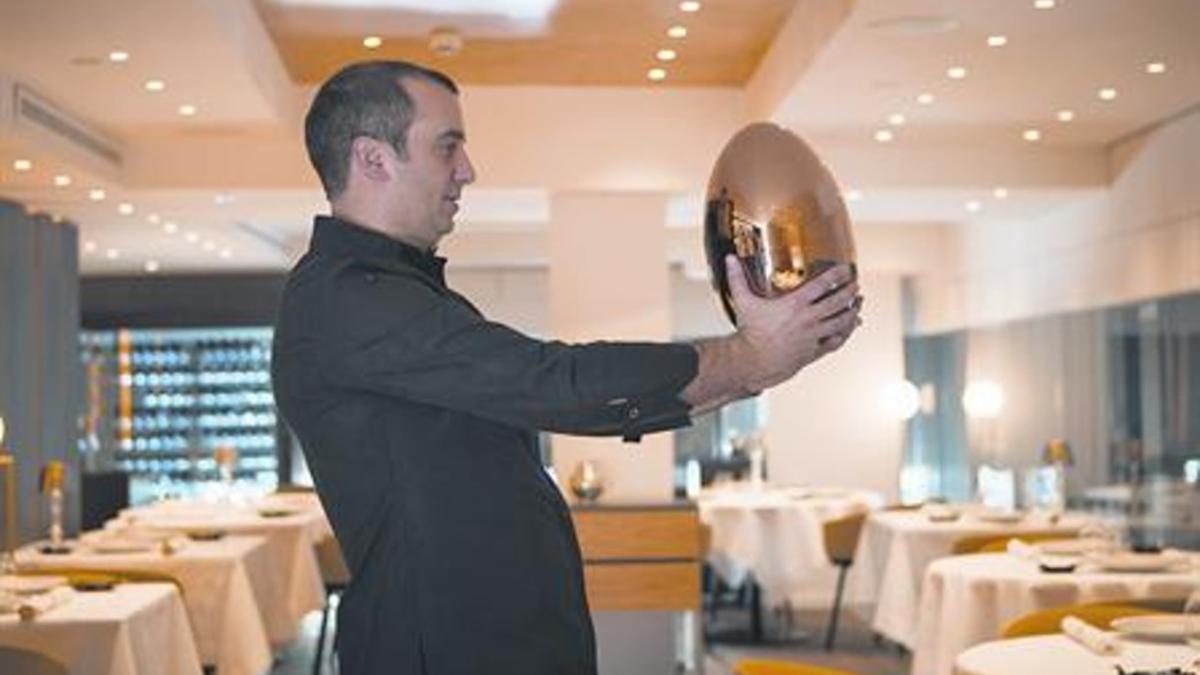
[
  {"x": 1022, "y": 550},
  {"x": 29, "y": 607},
  {"x": 1089, "y": 636}
]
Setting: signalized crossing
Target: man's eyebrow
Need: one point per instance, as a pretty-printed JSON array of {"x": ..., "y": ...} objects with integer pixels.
[{"x": 453, "y": 134}]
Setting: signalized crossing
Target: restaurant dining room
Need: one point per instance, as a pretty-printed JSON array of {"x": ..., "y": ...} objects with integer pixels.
[{"x": 599, "y": 337}]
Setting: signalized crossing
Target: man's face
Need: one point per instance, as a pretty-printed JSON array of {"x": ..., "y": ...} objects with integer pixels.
[{"x": 429, "y": 181}]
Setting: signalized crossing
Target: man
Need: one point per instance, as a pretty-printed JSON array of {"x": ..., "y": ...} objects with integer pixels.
[{"x": 418, "y": 416}]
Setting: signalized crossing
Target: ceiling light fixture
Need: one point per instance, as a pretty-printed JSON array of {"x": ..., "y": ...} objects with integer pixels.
[
  {"x": 1032, "y": 135},
  {"x": 372, "y": 42},
  {"x": 153, "y": 218},
  {"x": 884, "y": 135},
  {"x": 226, "y": 253},
  {"x": 154, "y": 85},
  {"x": 656, "y": 74},
  {"x": 854, "y": 195},
  {"x": 445, "y": 41},
  {"x": 89, "y": 247},
  {"x": 151, "y": 266},
  {"x": 677, "y": 32},
  {"x": 974, "y": 206},
  {"x": 112, "y": 254},
  {"x": 125, "y": 209},
  {"x": 1044, "y": 4},
  {"x": 956, "y": 72},
  {"x": 997, "y": 41},
  {"x": 1107, "y": 94},
  {"x": 1156, "y": 68},
  {"x": 666, "y": 55},
  {"x": 208, "y": 245},
  {"x": 925, "y": 98},
  {"x": 22, "y": 165},
  {"x": 96, "y": 195},
  {"x": 170, "y": 227},
  {"x": 223, "y": 199},
  {"x": 1065, "y": 115},
  {"x": 118, "y": 56},
  {"x": 896, "y": 119},
  {"x": 62, "y": 180},
  {"x": 689, "y": 6},
  {"x": 1000, "y": 193},
  {"x": 187, "y": 110},
  {"x": 191, "y": 237}
]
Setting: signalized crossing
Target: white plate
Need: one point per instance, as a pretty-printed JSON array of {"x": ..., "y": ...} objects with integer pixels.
[
  {"x": 1000, "y": 517},
  {"x": 31, "y": 585},
  {"x": 1137, "y": 562},
  {"x": 1070, "y": 546},
  {"x": 115, "y": 546},
  {"x": 1159, "y": 627}
]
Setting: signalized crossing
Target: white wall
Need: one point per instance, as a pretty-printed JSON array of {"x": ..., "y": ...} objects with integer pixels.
[{"x": 1139, "y": 239}]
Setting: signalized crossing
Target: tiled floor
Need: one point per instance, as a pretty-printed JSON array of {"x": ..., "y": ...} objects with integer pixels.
[{"x": 856, "y": 649}]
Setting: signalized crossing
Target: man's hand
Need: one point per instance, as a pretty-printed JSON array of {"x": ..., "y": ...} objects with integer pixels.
[
  {"x": 776, "y": 337},
  {"x": 779, "y": 336}
]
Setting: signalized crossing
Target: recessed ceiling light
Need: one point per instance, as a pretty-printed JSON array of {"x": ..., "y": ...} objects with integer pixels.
[
  {"x": 656, "y": 74},
  {"x": 925, "y": 98},
  {"x": 89, "y": 247},
  {"x": 974, "y": 206},
  {"x": 1065, "y": 115},
  {"x": 62, "y": 180},
  {"x": 956, "y": 72},
  {"x": 689, "y": 6},
  {"x": 112, "y": 254},
  {"x": 208, "y": 245},
  {"x": 154, "y": 85},
  {"x": 1044, "y": 4},
  {"x": 153, "y": 218},
  {"x": 118, "y": 56},
  {"x": 666, "y": 55},
  {"x": 997, "y": 40},
  {"x": 226, "y": 253},
  {"x": 854, "y": 195},
  {"x": 191, "y": 237},
  {"x": 1000, "y": 193},
  {"x": 22, "y": 164},
  {"x": 1156, "y": 68},
  {"x": 372, "y": 42},
  {"x": 677, "y": 32},
  {"x": 187, "y": 110},
  {"x": 170, "y": 227},
  {"x": 125, "y": 209},
  {"x": 896, "y": 119},
  {"x": 1032, "y": 135},
  {"x": 884, "y": 135},
  {"x": 151, "y": 266},
  {"x": 223, "y": 199},
  {"x": 96, "y": 195},
  {"x": 1107, "y": 94}
]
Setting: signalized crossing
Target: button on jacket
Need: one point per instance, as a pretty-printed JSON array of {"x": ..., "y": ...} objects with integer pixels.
[{"x": 418, "y": 418}]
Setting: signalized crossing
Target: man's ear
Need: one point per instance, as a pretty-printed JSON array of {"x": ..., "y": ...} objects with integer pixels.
[{"x": 369, "y": 158}]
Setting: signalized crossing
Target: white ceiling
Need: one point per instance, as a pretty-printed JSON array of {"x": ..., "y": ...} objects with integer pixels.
[{"x": 216, "y": 55}]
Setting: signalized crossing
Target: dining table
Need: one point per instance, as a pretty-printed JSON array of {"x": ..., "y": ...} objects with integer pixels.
[
  {"x": 898, "y": 546},
  {"x": 129, "y": 629},
  {"x": 966, "y": 600},
  {"x": 1057, "y": 654}
]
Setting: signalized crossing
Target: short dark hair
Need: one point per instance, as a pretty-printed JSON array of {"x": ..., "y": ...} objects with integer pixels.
[{"x": 362, "y": 99}]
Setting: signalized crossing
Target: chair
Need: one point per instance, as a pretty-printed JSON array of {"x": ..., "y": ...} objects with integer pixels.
[
  {"x": 841, "y": 539},
  {"x": 1048, "y": 621},
  {"x": 13, "y": 660},
  {"x": 998, "y": 543},
  {"x": 782, "y": 668},
  {"x": 336, "y": 575}
]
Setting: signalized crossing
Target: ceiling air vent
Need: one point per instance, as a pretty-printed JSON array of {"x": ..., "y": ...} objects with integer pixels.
[{"x": 36, "y": 115}]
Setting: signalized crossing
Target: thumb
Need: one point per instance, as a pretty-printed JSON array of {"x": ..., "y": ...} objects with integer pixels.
[{"x": 739, "y": 288}]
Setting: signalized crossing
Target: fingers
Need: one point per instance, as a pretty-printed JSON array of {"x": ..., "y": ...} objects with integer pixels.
[
  {"x": 845, "y": 322},
  {"x": 834, "y": 342},
  {"x": 844, "y": 298},
  {"x": 739, "y": 288},
  {"x": 824, "y": 283}
]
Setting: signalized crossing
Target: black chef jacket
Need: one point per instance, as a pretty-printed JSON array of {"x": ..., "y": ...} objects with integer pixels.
[{"x": 418, "y": 419}]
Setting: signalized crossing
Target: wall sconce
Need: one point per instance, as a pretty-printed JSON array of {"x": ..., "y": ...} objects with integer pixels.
[
  {"x": 901, "y": 400},
  {"x": 983, "y": 399}
]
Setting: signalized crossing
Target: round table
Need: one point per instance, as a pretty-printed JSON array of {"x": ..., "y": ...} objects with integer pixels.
[
  {"x": 897, "y": 548},
  {"x": 1058, "y": 654},
  {"x": 966, "y": 600}
]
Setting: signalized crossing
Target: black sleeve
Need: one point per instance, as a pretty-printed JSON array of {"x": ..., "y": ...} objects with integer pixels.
[{"x": 394, "y": 334}]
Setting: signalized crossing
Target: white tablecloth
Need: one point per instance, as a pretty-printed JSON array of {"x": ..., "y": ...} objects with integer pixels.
[
  {"x": 896, "y": 549},
  {"x": 293, "y": 571},
  {"x": 1060, "y": 655},
  {"x": 228, "y": 622},
  {"x": 134, "y": 629},
  {"x": 967, "y": 599},
  {"x": 776, "y": 534}
]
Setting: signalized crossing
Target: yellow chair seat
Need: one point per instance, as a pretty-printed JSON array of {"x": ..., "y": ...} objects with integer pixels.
[
  {"x": 1047, "y": 621},
  {"x": 783, "y": 668},
  {"x": 991, "y": 543}
]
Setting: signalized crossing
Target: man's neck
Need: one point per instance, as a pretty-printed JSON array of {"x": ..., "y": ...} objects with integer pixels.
[{"x": 366, "y": 218}]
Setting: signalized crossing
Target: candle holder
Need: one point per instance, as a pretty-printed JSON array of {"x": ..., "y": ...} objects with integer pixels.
[
  {"x": 53, "y": 479},
  {"x": 226, "y": 457}
]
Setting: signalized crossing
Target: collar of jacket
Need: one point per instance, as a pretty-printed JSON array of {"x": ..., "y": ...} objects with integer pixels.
[{"x": 343, "y": 238}]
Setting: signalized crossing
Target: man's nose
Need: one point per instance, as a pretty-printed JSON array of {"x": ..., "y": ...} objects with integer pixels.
[{"x": 465, "y": 171}]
